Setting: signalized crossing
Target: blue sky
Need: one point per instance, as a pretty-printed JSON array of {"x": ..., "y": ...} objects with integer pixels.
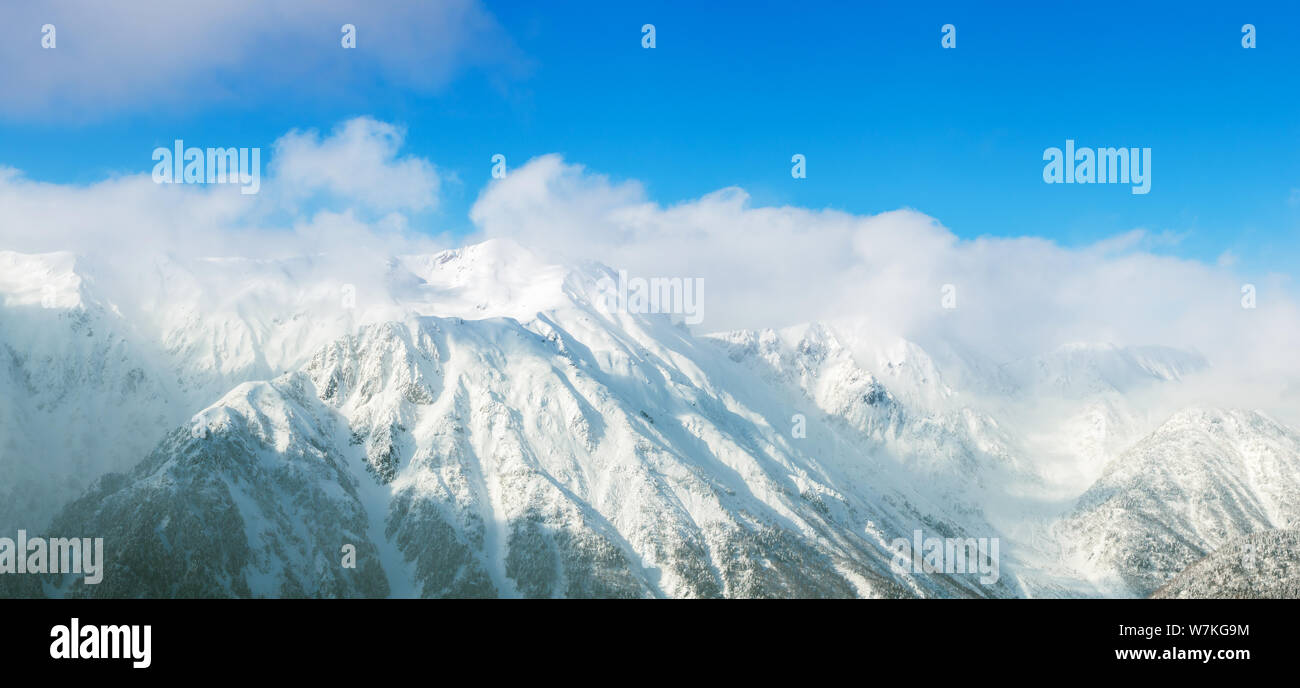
[{"x": 886, "y": 118}]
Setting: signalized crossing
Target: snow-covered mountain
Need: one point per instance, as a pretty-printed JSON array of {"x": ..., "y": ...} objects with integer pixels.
[
  {"x": 1083, "y": 370},
  {"x": 92, "y": 374},
  {"x": 79, "y": 393},
  {"x": 1203, "y": 478},
  {"x": 478, "y": 423},
  {"x": 1265, "y": 564}
]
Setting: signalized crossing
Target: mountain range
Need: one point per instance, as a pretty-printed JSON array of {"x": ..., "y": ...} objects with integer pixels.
[{"x": 478, "y": 423}]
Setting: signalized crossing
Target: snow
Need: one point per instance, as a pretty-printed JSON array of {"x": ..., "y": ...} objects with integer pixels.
[{"x": 480, "y": 426}]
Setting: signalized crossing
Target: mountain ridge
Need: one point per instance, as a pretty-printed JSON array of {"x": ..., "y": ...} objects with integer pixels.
[{"x": 524, "y": 440}]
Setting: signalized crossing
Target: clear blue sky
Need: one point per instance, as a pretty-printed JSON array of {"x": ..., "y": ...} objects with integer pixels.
[{"x": 886, "y": 117}]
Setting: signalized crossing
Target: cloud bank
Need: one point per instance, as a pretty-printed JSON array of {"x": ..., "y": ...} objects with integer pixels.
[
  {"x": 345, "y": 198},
  {"x": 1014, "y": 297},
  {"x": 352, "y": 195}
]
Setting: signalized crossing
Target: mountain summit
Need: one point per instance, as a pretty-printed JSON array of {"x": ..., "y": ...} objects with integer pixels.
[{"x": 479, "y": 422}]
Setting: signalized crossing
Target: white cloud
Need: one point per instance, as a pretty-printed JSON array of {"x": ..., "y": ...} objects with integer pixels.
[
  {"x": 358, "y": 161},
  {"x": 762, "y": 266},
  {"x": 356, "y": 174},
  {"x": 1016, "y": 297},
  {"x": 113, "y": 56}
]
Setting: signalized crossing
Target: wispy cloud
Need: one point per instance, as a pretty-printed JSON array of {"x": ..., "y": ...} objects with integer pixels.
[
  {"x": 112, "y": 57},
  {"x": 359, "y": 161}
]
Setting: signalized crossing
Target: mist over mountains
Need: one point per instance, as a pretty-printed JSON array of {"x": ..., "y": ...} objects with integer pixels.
[
  {"x": 476, "y": 422},
  {"x": 244, "y": 394}
]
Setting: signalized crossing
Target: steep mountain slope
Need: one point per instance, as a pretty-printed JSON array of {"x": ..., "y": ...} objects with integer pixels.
[
  {"x": 251, "y": 499},
  {"x": 1259, "y": 565},
  {"x": 478, "y": 422},
  {"x": 1204, "y": 477},
  {"x": 510, "y": 468},
  {"x": 958, "y": 447},
  {"x": 78, "y": 395},
  {"x": 93, "y": 375},
  {"x": 578, "y": 453}
]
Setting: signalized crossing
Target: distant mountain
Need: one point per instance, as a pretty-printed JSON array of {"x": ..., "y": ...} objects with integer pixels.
[
  {"x": 79, "y": 393},
  {"x": 1081, "y": 370},
  {"x": 1202, "y": 479},
  {"x": 478, "y": 422}
]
